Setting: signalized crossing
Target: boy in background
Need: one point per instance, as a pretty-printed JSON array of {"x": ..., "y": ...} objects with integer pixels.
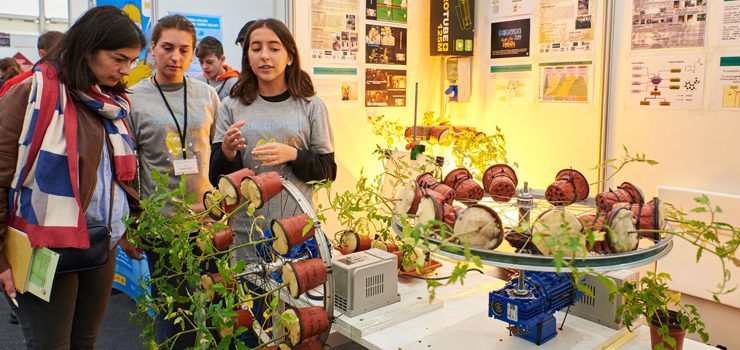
[{"x": 216, "y": 72}]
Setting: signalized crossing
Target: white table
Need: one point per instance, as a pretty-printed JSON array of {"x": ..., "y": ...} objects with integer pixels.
[{"x": 458, "y": 319}]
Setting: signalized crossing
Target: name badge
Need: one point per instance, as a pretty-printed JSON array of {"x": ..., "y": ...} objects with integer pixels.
[{"x": 186, "y": 166}]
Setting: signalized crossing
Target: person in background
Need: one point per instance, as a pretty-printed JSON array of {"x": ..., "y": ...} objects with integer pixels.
[
  {"x": 45, "y": 42},
  {"x": 172, "y": 122},
  {"x": 216, "y": 72},
  {"x": 243, "y": 34},
  {"x": 78, "y": 81},
  {"x": 9, "y": 68}
]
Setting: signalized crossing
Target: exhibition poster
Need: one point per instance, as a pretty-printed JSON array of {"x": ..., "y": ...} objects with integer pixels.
[
  {"x": 510, "y": 38},
  {"x": 667, "y": 81},
  {"x": 566, "y": 26},
  {"x": 387, "y": 10},
  {"x": 336, "y": 85},
  {"x": 508, "y": 8},
  {"x": 205, "y": 25},
  {"x": 385, "y": 44},
  {"x": 730, "y": 26},
  {"x": 668, "y": 24},
  {"x": 511, "y": 84},
  {"x": 334, "y": 32},
  {"x": 451, "y": 29},
  {"x": 385, "y": 88},
  {"x": 727, "y": 84},
  {"x": 140, "y": 12},
  {"x": 566, "y": 82}
]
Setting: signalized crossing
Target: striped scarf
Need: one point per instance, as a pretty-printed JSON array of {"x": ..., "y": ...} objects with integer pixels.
[{"x": 44, "y": 198}]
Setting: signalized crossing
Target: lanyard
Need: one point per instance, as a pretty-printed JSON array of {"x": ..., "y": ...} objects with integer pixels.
[{"x": 184, "y": 132}]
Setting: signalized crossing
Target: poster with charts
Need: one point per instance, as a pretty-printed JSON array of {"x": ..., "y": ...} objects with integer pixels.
[
  {"x": 668, "y": 24},
  {"x": 512, "y": 84},
  {"x": 334, "y": 32},
  {"x": 729, "y": 32},
  {"x": 726, "y": 84},
  {"x": 507, "y": 8},
  {"x": 667, "y": 81},
  {"x": 566, "y": 26},
  {"x": 566, "y": 82}
]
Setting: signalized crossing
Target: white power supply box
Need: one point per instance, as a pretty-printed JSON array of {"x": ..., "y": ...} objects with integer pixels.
[
  {"x": 365, "y": 281},
  {"x": 598, "y": 308}
]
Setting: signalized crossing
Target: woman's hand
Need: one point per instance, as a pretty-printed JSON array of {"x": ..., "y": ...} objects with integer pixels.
[
  {"x": 272, "y": 154},
  {"x": 132, "y": 251},
  {"x": 233, "y": 140},
  {"x": 6, "y": 282}
]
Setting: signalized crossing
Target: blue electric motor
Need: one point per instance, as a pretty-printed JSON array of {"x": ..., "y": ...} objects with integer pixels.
[{"x": 528, "y": 307}]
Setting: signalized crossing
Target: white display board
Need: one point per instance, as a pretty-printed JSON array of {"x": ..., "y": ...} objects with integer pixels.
[{"x": 688, "y": 276}]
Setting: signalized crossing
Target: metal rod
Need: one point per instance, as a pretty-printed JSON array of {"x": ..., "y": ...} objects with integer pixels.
[
  {"x": 416, "y": 107},
  {"x": 606, "y": 72}
]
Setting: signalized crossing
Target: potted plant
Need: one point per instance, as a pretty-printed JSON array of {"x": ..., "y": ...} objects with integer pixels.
[
  {"x": 190, "y": 256},
  {"x": 668, "y": 318}
]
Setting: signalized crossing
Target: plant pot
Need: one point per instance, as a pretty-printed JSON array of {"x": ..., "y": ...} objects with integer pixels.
[
  {"x": 289, "y": 232},
  {"x": 674, "y": 331},
  {"x": 622, "y": 236},
  {"x": 209, "y": 201},
  {"x": 647, "y": 216},
  {"x": 432, "y": 134},
  {"x": 410, "y": 264},
  {"x": 433, "y": 207},
  {"x": 352, "y": 241},
  {"x": 407, "y": 200},
  {"x": 625, "y": 193},
  {"x": 427, "y": 181},
  {"x": 220, "y": 240},
  {"x": 466, "y": 189},
  {"x": 569, "y": 187},
  {"x": 259, "y": 189},
  {"x": 304, "y": 275},
  {"x": 554, "y": 222},
  {"x": 422, "y": 133},
  {"x": 229, "y": 185},
  {"x": 385, "y": 246},
  {"x": 479, "y": 226},
  {"x": 312, "y": 321},
  {"x": 500, "y": 182},
  {"x": 596, "y": 224},
  {"x": 207, "y": 282},
  {"x": 243, "y": 318}
]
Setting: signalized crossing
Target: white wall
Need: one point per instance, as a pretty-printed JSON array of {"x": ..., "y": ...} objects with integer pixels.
[
  {"x": 541, "y": 137},
  {"x": 696, "y": 149}
]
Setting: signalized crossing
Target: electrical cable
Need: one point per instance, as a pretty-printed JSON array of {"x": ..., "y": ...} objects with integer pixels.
[{"x": 403, "y": 274}]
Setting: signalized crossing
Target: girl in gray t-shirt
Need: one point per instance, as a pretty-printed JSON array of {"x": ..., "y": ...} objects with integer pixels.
[{"x": 272, "y": 121}]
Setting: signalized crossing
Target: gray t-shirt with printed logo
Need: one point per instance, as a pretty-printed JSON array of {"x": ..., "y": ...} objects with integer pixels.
[
  {"x": 158, "y": 141},
  {"x": 295, "y": 122}
]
